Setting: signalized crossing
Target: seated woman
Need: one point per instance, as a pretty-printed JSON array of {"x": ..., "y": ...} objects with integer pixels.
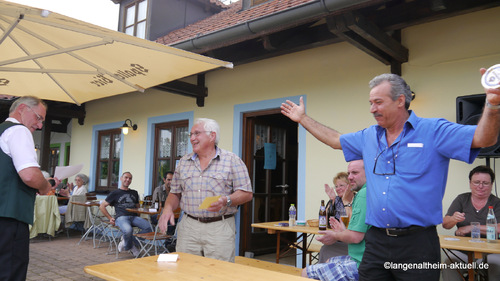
[
  {"x": 340, "y": 199},
  {"x": 341, "y": 196},
  {"x": 80, "y": 188},
  {"x": 473, "y": 207}
]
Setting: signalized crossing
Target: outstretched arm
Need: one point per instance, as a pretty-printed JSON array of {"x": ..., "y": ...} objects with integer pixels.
[
  {"x": 489, "y": 125},
  {"x": 323, "y": 133}
]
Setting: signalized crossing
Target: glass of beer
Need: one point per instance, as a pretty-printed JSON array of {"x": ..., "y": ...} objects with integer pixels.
[
  {"x": 141, "y": 201},
  {"x": 345, "y": 220}
]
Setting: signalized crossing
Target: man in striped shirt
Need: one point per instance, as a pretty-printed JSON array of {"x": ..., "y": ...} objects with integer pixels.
[{"x": 207, "y": 172}]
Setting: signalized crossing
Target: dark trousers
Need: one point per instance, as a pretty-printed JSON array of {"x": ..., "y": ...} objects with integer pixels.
[
  {"x": 408, "y": 257},
  {"x": 14, "y": 249}
]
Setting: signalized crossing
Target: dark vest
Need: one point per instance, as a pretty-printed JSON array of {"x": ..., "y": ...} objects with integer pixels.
[{"x": 17, "y": 200}]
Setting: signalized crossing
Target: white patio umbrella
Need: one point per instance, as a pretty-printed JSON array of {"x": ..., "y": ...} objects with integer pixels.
[{"x": 59, "y": 58}]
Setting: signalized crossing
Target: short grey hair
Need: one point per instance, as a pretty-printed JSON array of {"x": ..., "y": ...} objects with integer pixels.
[
  {"x": 83, "y": 177},
  {"x": 210, "y": 125},
  {"x": 398, "y": 86},
  {"x": 30, "y": 101}
]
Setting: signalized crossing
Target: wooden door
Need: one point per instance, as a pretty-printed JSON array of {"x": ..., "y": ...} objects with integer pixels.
[{"x": 274, "y": 177}]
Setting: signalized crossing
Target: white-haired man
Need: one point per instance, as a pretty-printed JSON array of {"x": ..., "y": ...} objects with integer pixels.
[
  {"x": 20, "y": 180},
  {"x": 207, "y": 171}
]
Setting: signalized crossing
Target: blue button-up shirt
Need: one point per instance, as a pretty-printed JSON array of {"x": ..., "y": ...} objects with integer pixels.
[{"x": 408, "y": 183}]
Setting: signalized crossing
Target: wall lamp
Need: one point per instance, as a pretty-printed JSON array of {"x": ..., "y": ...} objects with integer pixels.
[{"x": 125, "y": 127}]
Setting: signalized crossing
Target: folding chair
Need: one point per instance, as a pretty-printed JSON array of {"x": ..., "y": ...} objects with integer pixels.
[
  {"x": 154, "y": 239},
  {"x": 112, "y": 234},
  {"x": 150, "y": 240}
]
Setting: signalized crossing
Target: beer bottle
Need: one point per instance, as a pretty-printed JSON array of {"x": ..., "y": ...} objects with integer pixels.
[
  {"x": 322, "y": 216},
  {"x": 330, "y": 212}
]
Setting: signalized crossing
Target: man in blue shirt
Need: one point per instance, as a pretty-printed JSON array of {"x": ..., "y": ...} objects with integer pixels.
[{"x": 406, "y": 164}]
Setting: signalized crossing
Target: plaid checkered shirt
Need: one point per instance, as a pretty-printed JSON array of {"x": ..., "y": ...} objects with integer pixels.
[{"x": 225, "y": 174}]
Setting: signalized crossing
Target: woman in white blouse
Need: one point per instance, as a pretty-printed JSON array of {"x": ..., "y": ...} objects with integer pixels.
[{"x": 80, "y": 188}]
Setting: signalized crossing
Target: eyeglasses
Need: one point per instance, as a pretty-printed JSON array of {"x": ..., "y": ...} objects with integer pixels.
[
  {"x": 478, "y": 183},
  {"x": 393, "y": 164},
  {"x": 197, "y": 133},
  {"x": 394, "y": 156},
  {"x": 38, "y": 117}
]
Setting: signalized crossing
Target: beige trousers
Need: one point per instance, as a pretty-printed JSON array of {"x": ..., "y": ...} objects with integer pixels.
[{"x": 214, "y": 240}]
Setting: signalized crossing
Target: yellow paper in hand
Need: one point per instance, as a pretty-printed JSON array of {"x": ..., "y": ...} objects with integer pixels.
[{"x": 208, "y": 200}]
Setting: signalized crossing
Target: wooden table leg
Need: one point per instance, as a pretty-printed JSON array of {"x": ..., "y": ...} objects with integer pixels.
[
  {"x": 278, "y": 247},
  {"x": 470, "y": 258},
  {"x": 304, "y": 249}
]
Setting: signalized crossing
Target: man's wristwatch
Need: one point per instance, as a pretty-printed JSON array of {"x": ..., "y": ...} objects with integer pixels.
[
  {"x": 490, "y": 106},
  {"x": 348, "y": 205},
  {"x": 229, "y": 201}
]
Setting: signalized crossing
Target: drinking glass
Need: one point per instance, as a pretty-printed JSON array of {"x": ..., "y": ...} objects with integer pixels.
[
  {"x": 345, "y": 220},
  {"x": 141, "y": 201},
  {"x": 475, "y": 231}
]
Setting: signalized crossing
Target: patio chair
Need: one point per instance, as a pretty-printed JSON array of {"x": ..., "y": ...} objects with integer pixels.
[
  {"x": 75, "y": 214},
  {"x": 157, "y": 240},
  {"x": 111, "y": 234},
  {"x": 150, "y": 240}
]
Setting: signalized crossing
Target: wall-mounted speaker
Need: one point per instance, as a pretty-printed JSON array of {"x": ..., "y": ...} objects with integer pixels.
[{"x": 469, "y": 111}]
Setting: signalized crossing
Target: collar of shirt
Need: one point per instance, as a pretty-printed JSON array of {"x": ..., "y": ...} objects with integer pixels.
[
  {"x": 410, "y": 124},
  {"x": 13, "y": 120},
  {"x": 217, "y": 154}
]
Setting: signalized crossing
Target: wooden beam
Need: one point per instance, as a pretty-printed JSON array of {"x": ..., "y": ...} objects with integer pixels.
[
  {"x": 199, "y": 91},
  {"x": 371, "y": 33},
  {"x": 337, "y": 26}
]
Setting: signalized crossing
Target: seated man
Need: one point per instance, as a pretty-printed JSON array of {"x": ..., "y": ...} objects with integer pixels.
[
  {"x": 122, "y": 199},
  {"x": 161, "y": 192},
  {"x": 345, "y": 267},
  {"x": 160, "y": 195}
]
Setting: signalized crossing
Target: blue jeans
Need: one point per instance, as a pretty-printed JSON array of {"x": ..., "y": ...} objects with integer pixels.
[{"x": 126, "y": 224}]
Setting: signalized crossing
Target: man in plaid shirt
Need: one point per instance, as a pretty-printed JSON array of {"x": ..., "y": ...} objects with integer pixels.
[{"x": 206, "y": 172}]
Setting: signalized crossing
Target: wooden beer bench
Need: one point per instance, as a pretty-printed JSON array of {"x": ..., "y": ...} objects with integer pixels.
[{"x": 288, "y": 269}]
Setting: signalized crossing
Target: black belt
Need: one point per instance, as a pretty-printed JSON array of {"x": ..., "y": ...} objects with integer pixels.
[
  {"x": 211, "y": 219},
  {"x": 401, "y": 231}
]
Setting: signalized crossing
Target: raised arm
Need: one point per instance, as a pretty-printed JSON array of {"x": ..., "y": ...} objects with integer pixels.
[
  {"x": 323, "y": 133},
  {"x": 489, "y": 125}
]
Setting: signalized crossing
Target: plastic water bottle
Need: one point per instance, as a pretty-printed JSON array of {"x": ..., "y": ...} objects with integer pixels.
[
  {"x": 292, "y": 215},
  {"x": 491, "y": 225}
]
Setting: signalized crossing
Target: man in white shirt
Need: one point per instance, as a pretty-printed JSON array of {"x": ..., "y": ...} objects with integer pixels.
[{"x": 20, "y": 180}]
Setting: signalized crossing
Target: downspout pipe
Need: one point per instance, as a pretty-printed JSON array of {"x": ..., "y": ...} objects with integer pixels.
[{"x": 296, "y": 14}]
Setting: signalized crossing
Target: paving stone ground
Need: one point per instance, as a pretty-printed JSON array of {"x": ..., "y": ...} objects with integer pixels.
[{"x": 62, "y": 259}]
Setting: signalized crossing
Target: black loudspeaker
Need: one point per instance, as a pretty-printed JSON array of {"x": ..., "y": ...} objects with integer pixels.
[{"x": 469, "y": 111}]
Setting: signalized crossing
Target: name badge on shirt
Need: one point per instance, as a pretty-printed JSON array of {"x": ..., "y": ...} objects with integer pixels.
[{"x": 415, "y": 144}]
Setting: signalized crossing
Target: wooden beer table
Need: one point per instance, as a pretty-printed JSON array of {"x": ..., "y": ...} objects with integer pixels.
[
  {"x": 187, "y": 267},
  {"x": 475, "y": 250},
  {"x": 301, "y": 241},
  {"x": 145, "y": 211}
]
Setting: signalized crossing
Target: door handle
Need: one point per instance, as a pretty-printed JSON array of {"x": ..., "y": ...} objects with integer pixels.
[{"x": 284, "y": 188}]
